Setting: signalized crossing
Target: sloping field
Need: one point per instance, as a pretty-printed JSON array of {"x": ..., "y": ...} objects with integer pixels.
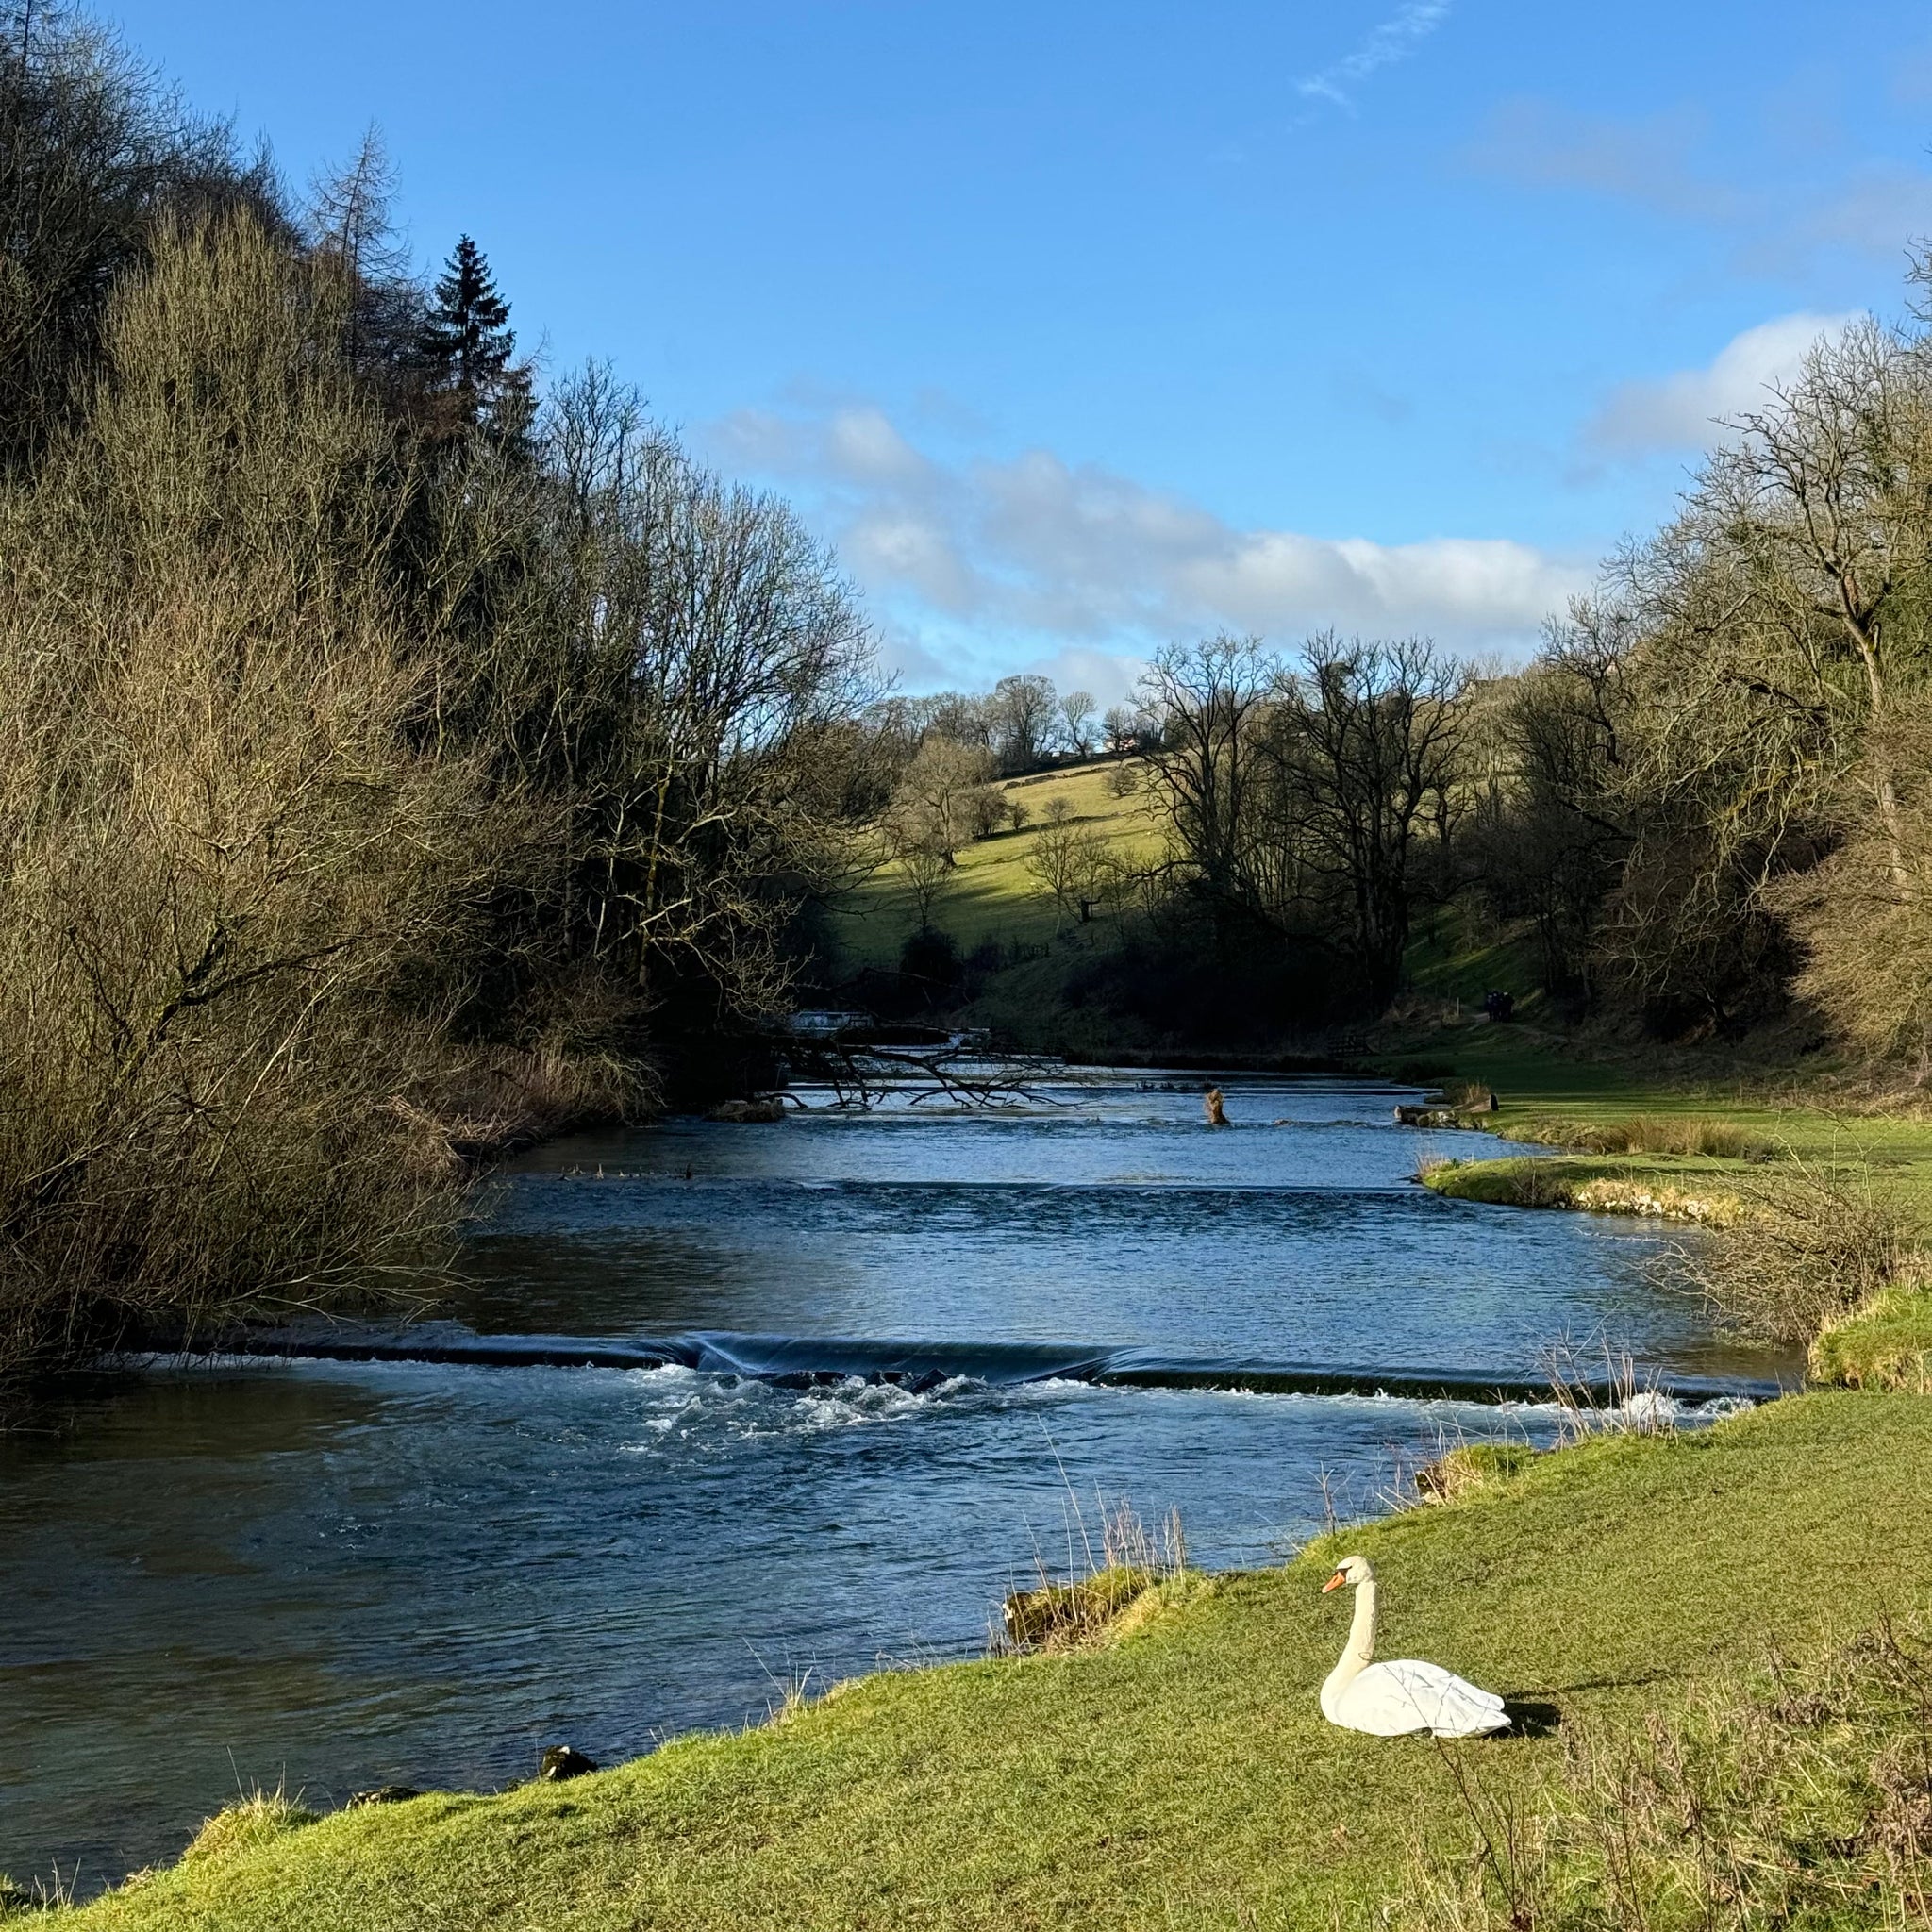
[{"x": 993, "y": 896}]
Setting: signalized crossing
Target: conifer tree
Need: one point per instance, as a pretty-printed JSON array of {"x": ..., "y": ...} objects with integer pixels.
[{"x": 467, "y": 346}]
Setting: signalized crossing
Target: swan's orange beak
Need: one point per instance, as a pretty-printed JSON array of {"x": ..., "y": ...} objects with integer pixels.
[{"x": 1335, "y": 1582}]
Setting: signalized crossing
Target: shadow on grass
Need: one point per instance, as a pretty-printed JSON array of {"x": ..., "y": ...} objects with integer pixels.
[{"x": 1530, "y": 1717}]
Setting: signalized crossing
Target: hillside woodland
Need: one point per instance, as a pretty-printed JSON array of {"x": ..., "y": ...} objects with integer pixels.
[
  {"x": 1703, "y": 807},
  {"x": 401, "y": 756},
  {"x": 391, "y": 763}
]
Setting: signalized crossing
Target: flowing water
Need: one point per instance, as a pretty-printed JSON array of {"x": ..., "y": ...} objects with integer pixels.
[{"x": 809, "y": 1399}]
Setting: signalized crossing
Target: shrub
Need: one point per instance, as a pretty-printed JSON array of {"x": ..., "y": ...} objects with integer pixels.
[{"x": 1813, "y": 1241}]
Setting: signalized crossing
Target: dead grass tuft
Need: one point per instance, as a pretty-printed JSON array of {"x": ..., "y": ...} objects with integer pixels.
[
  {"x": 1131, "y": 1560},
  {"x": 255, "y": 1821},
  {"x": 1684, "y": 1134},
  {"x": 1471, "y": 1468}
]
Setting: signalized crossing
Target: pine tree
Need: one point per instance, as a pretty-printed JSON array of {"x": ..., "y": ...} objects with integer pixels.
[{"x": 467, "y": 346}]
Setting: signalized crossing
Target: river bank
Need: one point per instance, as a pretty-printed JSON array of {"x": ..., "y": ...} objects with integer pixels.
[
  {"x": 1181, "y": 1772},
  {"x": 1707, "y": 1155}
]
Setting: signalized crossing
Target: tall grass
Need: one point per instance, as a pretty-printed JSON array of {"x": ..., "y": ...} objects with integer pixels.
[
  {"x": 1130, "y": 1559},
  {"x": 1799, "y": 1796},
  {"x": 1647, "y": 1134}
]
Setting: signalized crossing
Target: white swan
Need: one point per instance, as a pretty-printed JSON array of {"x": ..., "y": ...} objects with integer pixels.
[{"x": 1386, "y": 1700}]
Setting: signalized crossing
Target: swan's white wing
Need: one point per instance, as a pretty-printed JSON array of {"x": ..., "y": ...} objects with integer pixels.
[{"x": 1388, "y": 1699}]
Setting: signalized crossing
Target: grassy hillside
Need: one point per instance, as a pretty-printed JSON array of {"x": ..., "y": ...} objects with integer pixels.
[
  {"x": 1182, "y": 1775},
  {"x": 993, "y": 896}
]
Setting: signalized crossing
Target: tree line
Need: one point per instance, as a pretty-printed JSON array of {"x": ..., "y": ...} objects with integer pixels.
[{"x": 1705, "y": 804}]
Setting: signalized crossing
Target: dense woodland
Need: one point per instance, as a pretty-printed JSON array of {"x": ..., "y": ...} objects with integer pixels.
[
  {"x": 392, "y": 756},
  {"x": 402, "y": 754}
]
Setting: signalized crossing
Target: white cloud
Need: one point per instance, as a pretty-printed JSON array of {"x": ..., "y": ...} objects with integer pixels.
[
  {"x": 978, "y": 563},
  {"x": 1390, "y": 40},
  {"x": 1684, "y": 410}
]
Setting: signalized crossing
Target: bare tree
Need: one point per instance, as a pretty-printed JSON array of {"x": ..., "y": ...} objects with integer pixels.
[
  {"x": 1124, "y": 727},
  {"x": 1022, "y": 711},
  {"x": 1211, "y": 699},
  {"x": 928, "y": 872},
  {"x": 1366, "y": 747},
  {"x": 944, "y": 800},
  {"x": 1071, "y": 863},
  {"x": 1076, "y": 710}
]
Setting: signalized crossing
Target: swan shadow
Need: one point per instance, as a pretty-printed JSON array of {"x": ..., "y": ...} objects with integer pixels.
[{"x": 1530, "y": 1717}]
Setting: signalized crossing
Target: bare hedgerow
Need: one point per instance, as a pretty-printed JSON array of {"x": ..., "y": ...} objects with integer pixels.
[{"x": 1815, "y": 1239}]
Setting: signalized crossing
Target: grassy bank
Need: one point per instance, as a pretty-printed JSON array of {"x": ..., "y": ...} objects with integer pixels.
[
  {"x": 1713, "y": 1155},
  {"x": 1182, "y": 1775},
  {"x": 1624, "y": 1125}
]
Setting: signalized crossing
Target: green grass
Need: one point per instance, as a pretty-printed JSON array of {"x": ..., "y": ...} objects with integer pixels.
[
  {"x": 1688, "y": 1189},
  {"x": 1885, "y": 1344},
  {"x": 1181, "y": 1776},
  {"x": 993, "y": 896},
  {"x": 1548, "y": 1097}
]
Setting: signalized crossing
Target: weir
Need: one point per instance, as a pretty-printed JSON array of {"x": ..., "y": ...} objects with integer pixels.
[{"x": 918, "y": 1366}]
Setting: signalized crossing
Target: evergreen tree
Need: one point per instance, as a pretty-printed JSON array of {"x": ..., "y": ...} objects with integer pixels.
[{"x": 467, "y": 346}]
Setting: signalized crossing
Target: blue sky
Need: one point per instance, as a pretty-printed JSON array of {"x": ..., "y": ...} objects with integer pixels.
[{"x": 1080, "y": 327}]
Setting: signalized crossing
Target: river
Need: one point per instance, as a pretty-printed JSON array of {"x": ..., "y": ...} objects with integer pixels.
[{"x": 327, "y": 1574}]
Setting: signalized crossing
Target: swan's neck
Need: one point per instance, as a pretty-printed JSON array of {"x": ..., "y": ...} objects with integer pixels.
[{"x": 1359, "y": 1651}]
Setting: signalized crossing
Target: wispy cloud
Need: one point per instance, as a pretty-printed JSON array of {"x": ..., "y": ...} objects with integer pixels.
[
  {"x": 976, "y": 560},
  {"x": 1392, "y": 40},
  {"x": 1652, "y": 162},
  {"x": 1664, "y": 163}
]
